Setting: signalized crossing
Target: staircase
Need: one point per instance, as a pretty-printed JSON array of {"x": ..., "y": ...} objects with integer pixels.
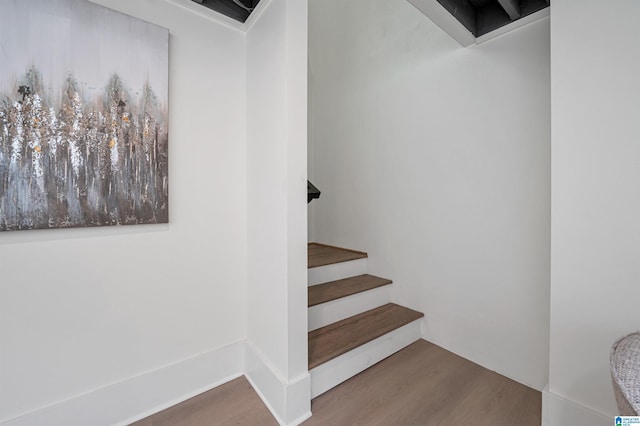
[{"x": 352, "y": 322}]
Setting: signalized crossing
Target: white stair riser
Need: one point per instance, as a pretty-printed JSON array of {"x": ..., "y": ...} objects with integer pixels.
[
  {"x": 336, "y": 271},
  {"x": 336, "y": 371},
  {"x": 345, "y": 307}
]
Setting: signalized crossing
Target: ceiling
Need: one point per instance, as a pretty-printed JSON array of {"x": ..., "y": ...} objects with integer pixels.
[
  {"x": 235, "y": 9},
  {"x": 478, "y": 16},
  {"x": 483, "y": 16}
]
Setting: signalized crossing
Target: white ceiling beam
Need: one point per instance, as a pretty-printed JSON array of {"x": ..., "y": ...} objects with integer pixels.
[
  {"x": 445, "y": 20},
  {"x": 441, "y": 17},
  {"x": 512, "y": 8},
  {"x": 541, "y": 14},
  {"x": 197, "y": 8}
]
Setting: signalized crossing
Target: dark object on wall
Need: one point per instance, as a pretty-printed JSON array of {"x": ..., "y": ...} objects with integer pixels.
[
  {"x": 312, "y": 192},
  {"x": 235, "y": 9},
  {"x": 483, "y": 16}
]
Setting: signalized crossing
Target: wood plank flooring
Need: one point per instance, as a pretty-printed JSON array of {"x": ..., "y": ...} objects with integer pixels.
[
  {"x": 422, "y": 385},
  {"x": 322, "y": 254},
  {"x": 234, "y": 403},
  {"x": 426, "y": 385},
  {"x": 333, "y": 290},
  {"x": 340, "y": 337}
]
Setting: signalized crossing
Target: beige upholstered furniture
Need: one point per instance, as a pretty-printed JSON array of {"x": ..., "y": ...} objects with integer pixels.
[{"x": 625, "y": 373}]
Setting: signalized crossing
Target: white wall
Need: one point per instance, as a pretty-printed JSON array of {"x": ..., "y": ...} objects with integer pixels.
[
  {"x": 435, "y": 160},
  {"x": 85, "y": 309},
  {"x": 595, "y": 262},
  {"x": 276, "y": 205}
]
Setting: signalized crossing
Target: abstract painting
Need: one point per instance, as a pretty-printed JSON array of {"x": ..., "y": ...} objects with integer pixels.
[{"x": 83, "y": 116}]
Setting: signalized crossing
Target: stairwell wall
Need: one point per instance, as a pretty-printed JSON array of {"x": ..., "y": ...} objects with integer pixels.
[
  {"x": 102, "y": 325},
  {"x": 435, "y": 159},
  {"x": 595, "y": 250}
]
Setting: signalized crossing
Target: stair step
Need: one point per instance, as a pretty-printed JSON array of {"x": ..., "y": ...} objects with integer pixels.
[
  {"x": 322, "y": 254},
  {"x": 333, "y": 340},
  {"x": 332, "y": 373},
  {"x": 333, "y": 290},
  {"x": 345, "y": 307},
  {"x": 336, "y": 271}
]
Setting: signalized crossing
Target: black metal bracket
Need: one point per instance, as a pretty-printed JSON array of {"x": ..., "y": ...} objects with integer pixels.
[{"x": 312, "y": 192}]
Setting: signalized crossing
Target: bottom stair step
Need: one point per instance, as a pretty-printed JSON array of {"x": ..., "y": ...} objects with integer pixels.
[
  {"x": 341, "y": 350},
  {"x": 338, "y": 338}
]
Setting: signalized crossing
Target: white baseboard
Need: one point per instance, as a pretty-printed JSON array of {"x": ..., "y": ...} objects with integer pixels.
[
  {"x": 289, "y": 402},
  {"x": 336, "y": 271},
  {"x": 135, "y": 398},
  {"x": 336, "y": 371},
  {"x": 559, "y": 411}
]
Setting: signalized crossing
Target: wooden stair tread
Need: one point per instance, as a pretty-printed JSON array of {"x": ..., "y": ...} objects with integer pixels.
[
  {"x": 338, "y": 338},
  {"x": 333, "y": 290},
  {"x": 322, "y": 254}
]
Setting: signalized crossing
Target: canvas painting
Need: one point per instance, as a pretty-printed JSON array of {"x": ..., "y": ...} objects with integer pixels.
[{"x": 83, "y": 116}]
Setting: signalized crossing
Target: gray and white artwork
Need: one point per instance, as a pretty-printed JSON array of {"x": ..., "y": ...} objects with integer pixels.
[{"x": 83, "y": 116}]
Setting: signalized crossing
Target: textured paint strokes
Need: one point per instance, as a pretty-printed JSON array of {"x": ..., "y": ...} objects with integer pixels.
[{"x": 79, "y": 151}]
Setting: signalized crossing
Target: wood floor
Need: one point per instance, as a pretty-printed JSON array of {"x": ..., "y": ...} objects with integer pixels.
[
  {"x": 421, "y": 385},
  {"x": 234, "y": 403}
]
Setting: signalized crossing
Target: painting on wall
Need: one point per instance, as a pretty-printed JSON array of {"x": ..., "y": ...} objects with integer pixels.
[{"x": 83, "y": 116}]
